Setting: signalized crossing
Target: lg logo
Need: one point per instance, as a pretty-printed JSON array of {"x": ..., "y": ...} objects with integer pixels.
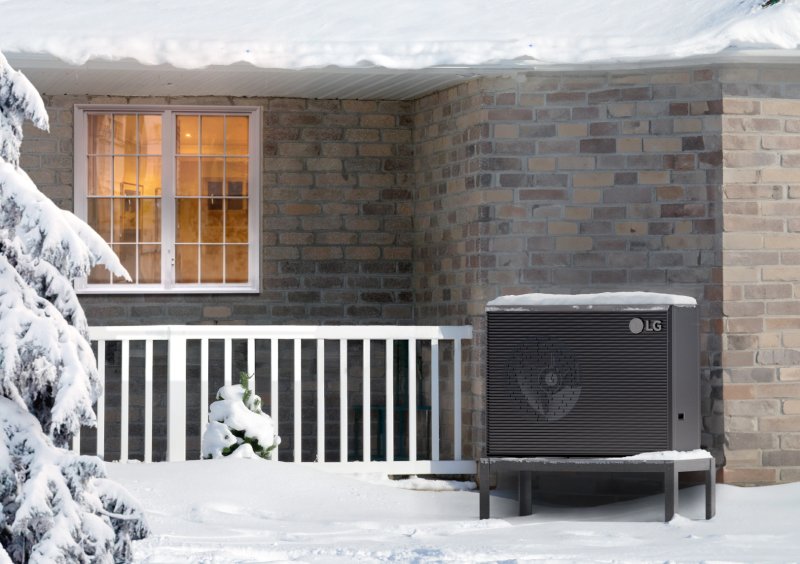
[{"x": 647, "y": 325}]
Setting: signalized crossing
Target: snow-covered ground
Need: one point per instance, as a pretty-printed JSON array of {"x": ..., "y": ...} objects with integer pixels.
[
  {"x": 235, "y": 510},
  {"x": 410, "y": 34}
]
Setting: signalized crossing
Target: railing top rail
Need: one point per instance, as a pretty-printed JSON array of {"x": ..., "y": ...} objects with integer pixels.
[{"x": 332, "y": 332}]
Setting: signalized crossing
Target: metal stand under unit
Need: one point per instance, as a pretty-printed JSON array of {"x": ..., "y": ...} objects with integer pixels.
[{"x": 527, "y": 466}]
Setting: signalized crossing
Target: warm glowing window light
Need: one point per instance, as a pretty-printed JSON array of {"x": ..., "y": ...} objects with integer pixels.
[{"x": 194, "y": 167}]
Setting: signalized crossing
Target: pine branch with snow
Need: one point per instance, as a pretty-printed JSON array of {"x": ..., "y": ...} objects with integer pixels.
[
  {"x": 55, "y": 506},
  {"x": 237, "y": 426},
  {"x": 46, "y": 364}
]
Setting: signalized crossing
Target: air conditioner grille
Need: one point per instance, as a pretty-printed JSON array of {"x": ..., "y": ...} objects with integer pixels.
[{"x": 577, "y": 383}]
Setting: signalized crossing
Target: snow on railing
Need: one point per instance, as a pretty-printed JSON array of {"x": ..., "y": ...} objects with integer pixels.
[{"x": 177, "y": 337}]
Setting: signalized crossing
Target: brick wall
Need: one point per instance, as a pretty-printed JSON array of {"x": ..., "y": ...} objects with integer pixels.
[
  {"x": 682, "y": 180},
  {"x": 337, "y": 214},
  {"x": 450, "y": 190},
  {"x": 570, "y": 182},
  {"x": 761, "y": 242}
]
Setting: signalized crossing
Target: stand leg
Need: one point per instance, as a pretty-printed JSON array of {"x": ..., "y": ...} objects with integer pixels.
[
  {"x": 483, "y": 476},
  {"x": 711, "y": 478},
  {"x": 670, "y": 491},
  {"x": 525, "y": 493}
]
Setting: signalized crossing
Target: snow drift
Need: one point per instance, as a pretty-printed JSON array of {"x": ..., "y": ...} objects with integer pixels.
[{"x": 234, "y": 510}]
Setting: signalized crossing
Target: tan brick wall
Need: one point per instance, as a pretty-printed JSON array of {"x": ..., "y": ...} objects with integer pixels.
[
  {"x": 337, "y": 189},
  {"x": 761, "y": 276}
]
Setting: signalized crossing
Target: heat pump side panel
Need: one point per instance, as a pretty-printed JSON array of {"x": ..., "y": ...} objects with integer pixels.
[{"x": 685, "y": 378}]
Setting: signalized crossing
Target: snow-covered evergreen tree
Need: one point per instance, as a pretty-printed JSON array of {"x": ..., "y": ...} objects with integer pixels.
[
  {"x": 237, "y": 426},
  {"x": 55, "y": 506}
]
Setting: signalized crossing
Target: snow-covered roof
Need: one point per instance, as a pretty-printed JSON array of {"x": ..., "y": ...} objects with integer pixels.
[
  {"x": 604, "y": 298},
  {"x": 411, "y": 34},
  {"x": 445, "y": 38}
]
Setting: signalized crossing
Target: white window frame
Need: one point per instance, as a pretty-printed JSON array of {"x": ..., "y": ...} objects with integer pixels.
[{"x": 168, "y": 284}]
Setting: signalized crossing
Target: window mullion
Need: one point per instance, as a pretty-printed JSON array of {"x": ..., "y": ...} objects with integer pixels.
[{"x": 137, "y": 206}]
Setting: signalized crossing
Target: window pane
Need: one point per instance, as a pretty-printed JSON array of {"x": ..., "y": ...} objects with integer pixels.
[
  {"x": 125, "y": 170},
  {"x": 209, "y": 196},
  {"x": 100, "y": 169},
  {"x": 236, "y": 220},
  {"x": 150, "y": 220},
  {"x": 186, "y": 264},
  {"x": 124, "y": 220},
  {"x": 99, "y": 275},
  {"x": 99, "y": 216},
  {"x": 212, "y": 174},
  {"x": 188, "y": 179},
  {"x": 211, "y": 261},
  {"x": 149, "y": 176},
  {"x": 127, "y": 256},
  {"x": 212, "y": 135},
  {"x": 99, "y": 134},
  {"x": 187, "y": 220},
  {"x": 236, "y": 135},
  {"x": 149, "y": 264},
  {"x": 236, "y": 175},
  {"x": 211, "y": 220},
  {"x": 187, "y": 134},
  {"x": 236, "y": 263},
  {"x": 125, "y": 134},
  {"x": 150, "y": 135}
]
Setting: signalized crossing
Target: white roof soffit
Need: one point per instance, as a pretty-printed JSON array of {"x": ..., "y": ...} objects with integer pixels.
[
  {"x": 128, "y": 77},
  {"x": 52, "y": 76}
]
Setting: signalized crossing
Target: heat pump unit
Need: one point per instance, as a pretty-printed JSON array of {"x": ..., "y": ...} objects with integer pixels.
[{"x": 610, "y": 374}]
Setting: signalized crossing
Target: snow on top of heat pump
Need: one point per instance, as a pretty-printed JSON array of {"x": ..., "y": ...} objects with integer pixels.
[{"x": 604, "y": 298}]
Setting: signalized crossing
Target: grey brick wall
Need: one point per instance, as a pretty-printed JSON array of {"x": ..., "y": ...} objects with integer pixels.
[
  {"x": 337, "y": 206},
  {"x": 680, "y": 180},
  {"x": 447, "y": 134},
  {"x": 569, "y": 182}
]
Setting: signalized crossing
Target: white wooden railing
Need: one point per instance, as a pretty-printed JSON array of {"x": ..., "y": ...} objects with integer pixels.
[{"x": 177, "y": 336}]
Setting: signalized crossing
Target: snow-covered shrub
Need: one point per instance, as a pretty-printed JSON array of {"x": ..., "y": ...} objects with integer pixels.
[
  {"x": 55, "y": 506},
  {"x": 237, "y": 426}
]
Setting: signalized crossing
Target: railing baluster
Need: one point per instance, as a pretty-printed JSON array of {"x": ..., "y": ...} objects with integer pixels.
[
  {"x": 101, "y": 401},
  {"x": 457, "y": 399},
  {"x": 343, "y": 400},
  {"x": 273, "y": 389},
  {"x": 203, "y": 386},
  {"x": 228, "y": 355},
  {"x": 389, "y": 400},
  {"x": 298, "y": 420},
  {"x": 251, "y": 363},
  {"x": 176, "y": 398},
  {"x": 366, "y": 402},
  {"x": 412, "y": 399},
  {"x": 123, "y": 416},
  {"x": 434, "y": 399},
  {"x": 320, "y": 400},
  {"x": 148, "y": 400}
]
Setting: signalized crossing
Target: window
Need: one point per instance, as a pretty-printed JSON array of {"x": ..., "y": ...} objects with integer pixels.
[{"x": 175, "y": 191}]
